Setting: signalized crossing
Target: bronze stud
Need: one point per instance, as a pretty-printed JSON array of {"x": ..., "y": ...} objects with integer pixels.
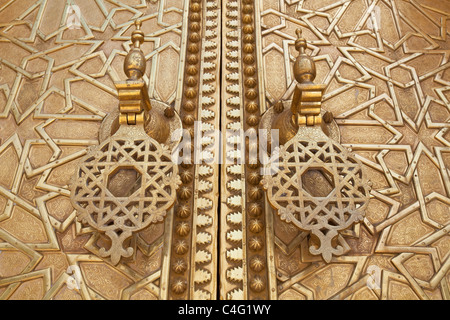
[
  {"x": 248, "y": 38},
  {"x": 195, "y": 17},
  {"x": 186, "y": 162},
  {"x": 169, "y": 112},
  {"x": 194, "y": 37},
  {"x": 247, "y": 18},
  {"x": 255, "y": 209},
  {"x": 255, "y": 225},
  {"x": 188, "y": 119},
  {"x": 182, "y": 229},
  {"x": 248, "y": 48},
  {"x": 247, "y": 8},
  {"x": 252, "y": 107},
  {"x": 195, "y": 26},
  {"x": 192, "y": 59},
  {"x": 279, "y": 107},
  {"x": 190, "y": 93},
  {"x": 192, "y": 70},
  {"x": 185, "y": 192},
  {"x": 183, "y": 211},
  {"x": 249, "y": 58},
  {"x": 181, "y": 247},
  {"x": 195, "y": 7},
  {"x": 179, "y": 266},
  {"x": 179, "y": 285},
  {"x": 189, "y": 106},
  {"x": 257, "y": 263},
  {"x": 251, "y": 94},
  {"x": 252, "y": 120},
  {"x": 257, "y": 284},
  {"x": 186, "y": 176},
  {"x": 247, "y": 29},
  {"x": 250, "y": 82},
  {"x": 255, "y": 193},
  {"x": 249, "y": 71},
  {"x": 255, "y": 243},
  {"x": 328, "y": 117},
  {"x": 193, "y": 48},
  {"x": 253, "y": 165},
  {"x": 191, "y": 81}
]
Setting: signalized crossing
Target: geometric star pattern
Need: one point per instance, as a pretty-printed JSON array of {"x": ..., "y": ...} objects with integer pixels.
[
  {"x": 56, "y": 87},
  {"x": 384, "y": 63}
]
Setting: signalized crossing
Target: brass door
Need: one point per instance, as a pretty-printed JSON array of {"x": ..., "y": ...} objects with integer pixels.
[{"x": 225, "y": 68}]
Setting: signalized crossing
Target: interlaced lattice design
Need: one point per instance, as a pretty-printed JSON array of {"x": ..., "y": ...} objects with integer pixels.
[
  {"x": 335, "y": 209},
  {"x": 134, "y": 203}
]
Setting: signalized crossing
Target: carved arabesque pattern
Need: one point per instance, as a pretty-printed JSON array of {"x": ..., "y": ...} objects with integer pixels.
[
  {"x": 388, "y": 87},
  {"x": 56, "y": 86},
  {"x": 385, "y": 65}
]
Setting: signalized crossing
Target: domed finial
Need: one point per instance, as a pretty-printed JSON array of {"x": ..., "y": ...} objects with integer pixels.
[
  {"x": 137, "y": 37},
  {"x": 134, "y": 65},
  {"x": 138, "y": 24},
  {"x": 304, "y": 66},
  {"x": 300, "y": 43}
]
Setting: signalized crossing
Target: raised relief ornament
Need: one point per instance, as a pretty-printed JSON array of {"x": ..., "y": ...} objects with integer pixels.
[
  {"x": 129, "y": 181},
  {"x": 319, "y": 185}
]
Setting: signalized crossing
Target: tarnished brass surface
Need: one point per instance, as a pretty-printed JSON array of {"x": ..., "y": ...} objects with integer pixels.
[
  {"x": 318, "y": 187},
  {"x": 123, "y": 186},
  {"x": 130, "y": 180},
  {"x": 57, "y": 86},
  {"x": 314, "y": 182},
  {"x": 385, "y": 67}
]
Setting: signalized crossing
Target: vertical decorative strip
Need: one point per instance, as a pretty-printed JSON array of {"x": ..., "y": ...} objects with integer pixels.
[
  {"x": 267, "y": 210},
  {"x": 233, "y": 222},
  {"x": 170, "y": 240},
  {"x": 206, "y": 193},
  {"x": 256, "y": 254},
  {"x": 181, "y": 250}
]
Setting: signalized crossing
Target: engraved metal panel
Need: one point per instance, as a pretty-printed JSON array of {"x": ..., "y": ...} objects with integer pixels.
[{"x": 222, "y": 65}]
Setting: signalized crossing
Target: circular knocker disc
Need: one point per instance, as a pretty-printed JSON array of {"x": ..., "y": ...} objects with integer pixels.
[
  {"x": 318, "y": 186},
  {"x": 122, "y": 186}
]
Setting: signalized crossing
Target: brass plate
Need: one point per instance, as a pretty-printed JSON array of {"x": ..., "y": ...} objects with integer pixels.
[{"x": 385, "y": 64}]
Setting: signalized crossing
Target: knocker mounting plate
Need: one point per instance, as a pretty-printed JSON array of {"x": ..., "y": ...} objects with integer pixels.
[
  {"x": 129, "y": 181},
  {"x": 123, "y": 186},
  {"x": 318, "y": 187}
]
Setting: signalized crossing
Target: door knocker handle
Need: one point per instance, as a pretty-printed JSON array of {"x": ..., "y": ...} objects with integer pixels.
[
  {"x": 318, "y": 185},
  {"x": 129, "y": 180}
]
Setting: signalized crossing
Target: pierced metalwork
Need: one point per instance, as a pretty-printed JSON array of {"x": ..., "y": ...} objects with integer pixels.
[
  {"x": 317, "y": 184},
  {"x": 386, "y": 70},
  {"x": 123, "y": 186},
  {"x": 319, "y": 188}
]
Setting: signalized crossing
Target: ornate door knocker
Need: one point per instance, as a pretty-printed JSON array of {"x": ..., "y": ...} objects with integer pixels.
[
  {"x": 319, "y": 185},
  {"x": 129, "y": 181}
]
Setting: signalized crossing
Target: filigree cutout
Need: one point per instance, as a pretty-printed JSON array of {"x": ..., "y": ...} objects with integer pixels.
[
  {"x": 146, "y": 190},
  {"x": 319, "y": 188}
]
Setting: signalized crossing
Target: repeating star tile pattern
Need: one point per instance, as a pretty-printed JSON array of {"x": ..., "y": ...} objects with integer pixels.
[
  {"x": 56, "y": 87},
  {"x": 385, "y": 64}
]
